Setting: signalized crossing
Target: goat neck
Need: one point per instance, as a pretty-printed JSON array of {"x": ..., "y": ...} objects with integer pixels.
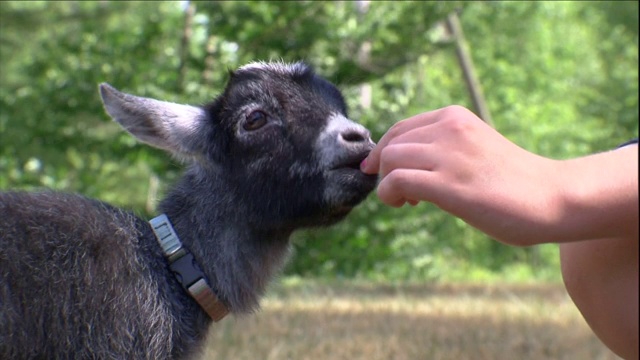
[{"x": 237, "y": 258}]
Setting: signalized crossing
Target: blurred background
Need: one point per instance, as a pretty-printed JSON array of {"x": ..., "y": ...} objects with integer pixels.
[{"x": 558, "y": 78}]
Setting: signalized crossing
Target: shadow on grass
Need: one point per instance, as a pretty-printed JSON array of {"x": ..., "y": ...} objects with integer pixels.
[{"x": 428, "y": 323}]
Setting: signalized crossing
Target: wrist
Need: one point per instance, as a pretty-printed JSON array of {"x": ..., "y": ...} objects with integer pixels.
[
  {"x": 555, "y": 201},
  {"x": 597, "y": 197}
]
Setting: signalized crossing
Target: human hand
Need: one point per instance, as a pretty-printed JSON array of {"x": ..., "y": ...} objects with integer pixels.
[{"x": 453, "y": 159}]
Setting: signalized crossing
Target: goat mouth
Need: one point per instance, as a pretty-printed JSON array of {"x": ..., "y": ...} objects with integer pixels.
[
  {"x": 348, "y": 185},
  {"x": 350, "y": 162},
  {"x": 353, "y": 166},
  {"x": 347, "y": 173}
]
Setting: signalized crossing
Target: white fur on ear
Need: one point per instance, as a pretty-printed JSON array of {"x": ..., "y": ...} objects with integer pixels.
[{"x": 166, "y": 125}]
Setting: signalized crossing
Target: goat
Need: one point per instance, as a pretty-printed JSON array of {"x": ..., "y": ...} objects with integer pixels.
[{"x": 81, "y": 279}]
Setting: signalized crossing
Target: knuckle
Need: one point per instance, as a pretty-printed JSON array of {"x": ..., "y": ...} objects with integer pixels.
[
  {"x": 454, "y": 110},
  {"x": 458, "y": 109},
  {"x": 397, "y": 129},
  {"x": 456, "y": 119},
  {"x": 457, "y": 125},
  {"x": 396, "y": 179},
  {"x": 388, "y": 191},
  {"x": 386, "y": 154}
]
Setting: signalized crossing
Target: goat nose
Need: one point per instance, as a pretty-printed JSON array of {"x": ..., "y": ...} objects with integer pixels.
[{"x": 355, "y": 135}]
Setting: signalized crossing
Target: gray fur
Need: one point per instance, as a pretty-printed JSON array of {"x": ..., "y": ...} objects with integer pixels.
[{"x": 80, "y": 279}]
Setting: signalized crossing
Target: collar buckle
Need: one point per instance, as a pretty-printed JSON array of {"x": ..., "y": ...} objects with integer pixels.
[{"x": 186, "y": 269}]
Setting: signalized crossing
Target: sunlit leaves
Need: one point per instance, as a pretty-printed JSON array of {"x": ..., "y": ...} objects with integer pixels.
[{"x": 560, "y": 78}]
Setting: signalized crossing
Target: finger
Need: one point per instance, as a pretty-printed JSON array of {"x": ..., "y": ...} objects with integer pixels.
[
  {"x": 422, "y": 135},
  {"x": 372, "y": 162},
  {"x": 404, "y": 185},
  {"x": 428, "y": 119},
  {"x": 405, "y": 156}
]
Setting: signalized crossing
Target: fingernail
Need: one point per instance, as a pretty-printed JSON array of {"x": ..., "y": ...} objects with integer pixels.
[{"x": 363, "y": 164}]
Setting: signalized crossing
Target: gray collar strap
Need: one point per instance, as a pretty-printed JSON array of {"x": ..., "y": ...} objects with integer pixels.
[{"x": 186, "y": 270}]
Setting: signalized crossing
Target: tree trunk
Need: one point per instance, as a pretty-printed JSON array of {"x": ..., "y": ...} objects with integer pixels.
[
  {"x": 209, "y": 61},
  {"x": 466, "y": 63},
  {"x": 184, "y": 45}
]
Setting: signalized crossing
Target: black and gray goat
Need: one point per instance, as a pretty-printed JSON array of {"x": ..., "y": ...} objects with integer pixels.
[{"x": 80, "y": 279}]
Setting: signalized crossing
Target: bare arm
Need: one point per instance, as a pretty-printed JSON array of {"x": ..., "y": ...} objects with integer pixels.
[{"x": 453, "y": 159}]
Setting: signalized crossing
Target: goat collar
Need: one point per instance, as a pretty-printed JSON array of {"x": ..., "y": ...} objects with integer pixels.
[{"x": 186, "y": 269}]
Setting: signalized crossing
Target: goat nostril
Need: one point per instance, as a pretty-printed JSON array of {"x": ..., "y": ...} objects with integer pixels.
[{"x": 354, "y": 136}]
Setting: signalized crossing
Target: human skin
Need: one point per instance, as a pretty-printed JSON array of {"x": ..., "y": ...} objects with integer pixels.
[
  {"x": 451, "y": 158},
  {"x": 601, "y": 276}
]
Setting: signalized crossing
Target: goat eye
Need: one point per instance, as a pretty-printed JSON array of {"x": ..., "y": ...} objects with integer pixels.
[{"x": 255, "y": 120}]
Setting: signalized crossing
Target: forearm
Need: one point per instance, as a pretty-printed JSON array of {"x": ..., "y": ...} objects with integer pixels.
[
  {"x": 599, "y": 196},
  {"x": 602, "y": 278}
]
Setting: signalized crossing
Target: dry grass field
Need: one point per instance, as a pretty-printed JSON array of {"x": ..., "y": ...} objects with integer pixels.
[{"x": 371, "y": 322}]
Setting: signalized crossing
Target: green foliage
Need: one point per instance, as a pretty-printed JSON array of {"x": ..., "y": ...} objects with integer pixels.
[
  {"x": 561, "y": 79},
  {"x": 54, "y": 131}
]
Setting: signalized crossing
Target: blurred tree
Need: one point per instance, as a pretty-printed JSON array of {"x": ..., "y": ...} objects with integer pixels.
[
  {"x": 54, "y": 130},
  {"x": 560, "y": 79}
]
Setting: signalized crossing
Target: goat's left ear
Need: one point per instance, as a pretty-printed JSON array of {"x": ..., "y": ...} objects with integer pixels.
[{"x": 173, "y": 127}]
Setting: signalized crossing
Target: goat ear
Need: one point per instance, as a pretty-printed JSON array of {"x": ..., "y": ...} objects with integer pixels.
[{"x": 166, "y": 125}]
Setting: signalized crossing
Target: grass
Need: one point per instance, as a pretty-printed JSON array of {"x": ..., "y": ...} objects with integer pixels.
[{"x": 366, "y": 321}]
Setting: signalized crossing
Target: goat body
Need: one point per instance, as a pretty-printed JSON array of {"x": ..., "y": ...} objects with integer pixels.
[{"x": 273, "y": 153}]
